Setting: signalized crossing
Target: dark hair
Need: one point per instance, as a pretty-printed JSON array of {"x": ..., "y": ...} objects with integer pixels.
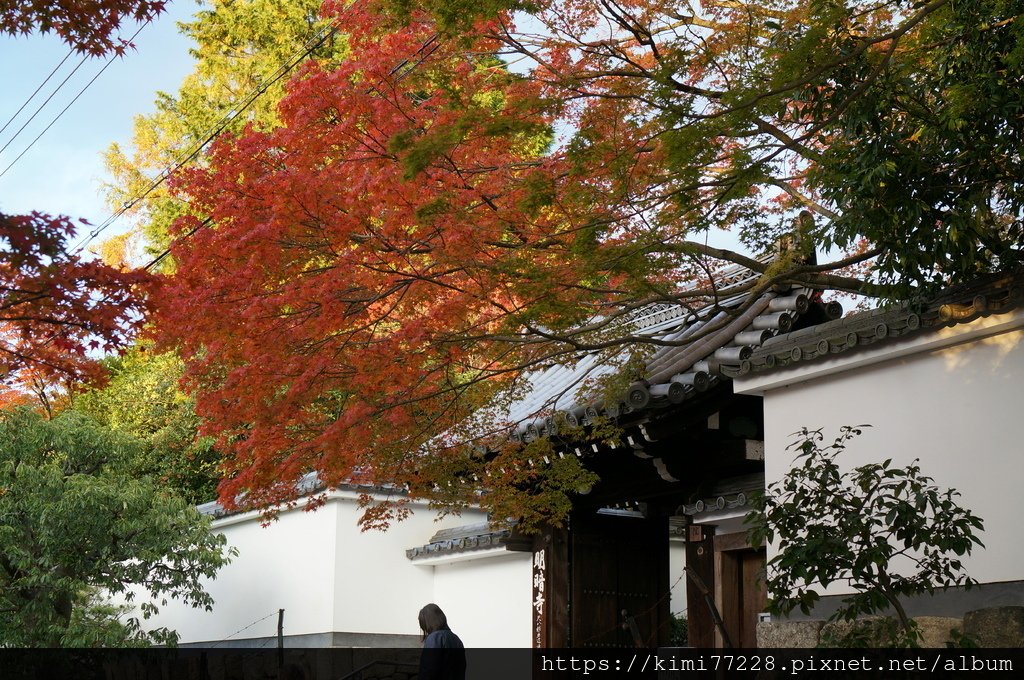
[{"x": 432, "y": 619}]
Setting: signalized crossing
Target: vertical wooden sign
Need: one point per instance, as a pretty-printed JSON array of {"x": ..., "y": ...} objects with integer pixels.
[{"x": 540, "y": 618}]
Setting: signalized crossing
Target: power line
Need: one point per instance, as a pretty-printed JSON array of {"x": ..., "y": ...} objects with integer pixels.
[
  {"x": 64, "y": 110},
  {"x": 52, "y": 122},
  {"x": 41, "y": 106},
  {"x": 167, "y": 251},
  {"x": 307, "y": 48},
  {"x": 425, "y": 50},
  {"x": 41, "y": 86}
]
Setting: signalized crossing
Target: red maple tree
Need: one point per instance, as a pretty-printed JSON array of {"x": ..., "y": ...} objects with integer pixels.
[
  {"x": 427, "y": 224},
  {"x": 388, "y": 260},
  {"x": 89, "y": 26},
  {"x": 56, "y": 307},
  {"x": 334, "y": 322}
]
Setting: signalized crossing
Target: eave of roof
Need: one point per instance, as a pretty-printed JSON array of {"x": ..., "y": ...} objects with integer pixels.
[
  {"x": 988, "y": 296},
  {"x": 463, "y": 539},
  {"x": 727, "y": 495},
  {"x": 308, "y": 485},
  {"x": 674, "y": 373}
]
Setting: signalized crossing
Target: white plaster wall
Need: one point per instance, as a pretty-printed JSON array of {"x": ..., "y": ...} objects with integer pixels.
[
  {"x": 288, "y": 564},
  {"x": 676, "y": 575},
  {"x": 958, "y": 409},
  {"x": 327, "y": 574},
  {"x": 487, "y": 601},
  {"x": 377, "y": 589}
]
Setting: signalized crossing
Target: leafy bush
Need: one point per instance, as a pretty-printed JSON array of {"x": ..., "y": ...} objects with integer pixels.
[
  {"x": 886, "y": 532},
  {"x": 680, "y": 632}
]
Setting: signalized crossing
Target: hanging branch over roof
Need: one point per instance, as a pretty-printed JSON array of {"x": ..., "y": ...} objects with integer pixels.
[{"x": 427, "y": 226}]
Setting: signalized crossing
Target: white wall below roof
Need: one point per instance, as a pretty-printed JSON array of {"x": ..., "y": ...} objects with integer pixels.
[
  {"x": 287, "y": 565},
  {"x": 677, "y": 576},
  {"x": 487, "y": 597},
  {"x": 956, "y": 408},
  {"x": 321, "y": 569},
  {"x": 377, "y": 588},
  {"x": 487, "y": 601}
]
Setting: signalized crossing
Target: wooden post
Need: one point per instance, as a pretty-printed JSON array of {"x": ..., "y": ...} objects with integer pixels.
[
  {"x": 700, "y": 560},
  {"x": 551, "y": 588},
  {"x": 280, "y": 640},
  {"x": 709, "y": 600}
]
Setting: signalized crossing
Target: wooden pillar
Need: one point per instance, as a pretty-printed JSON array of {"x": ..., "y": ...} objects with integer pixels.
[
  {"x": 700, "y": 559},
  {"x": 551, "y": 589}
]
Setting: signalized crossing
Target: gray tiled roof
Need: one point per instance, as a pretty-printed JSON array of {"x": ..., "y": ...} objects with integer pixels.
[
  {"x": 722, "y": 334},
  {"x": 466, "y": 538},
  {"x": 961, "y": 304},
  {"x": 308, "y": 485}
]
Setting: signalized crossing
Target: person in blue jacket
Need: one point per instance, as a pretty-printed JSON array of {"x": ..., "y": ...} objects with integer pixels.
[{"x": 443, "y": 656}]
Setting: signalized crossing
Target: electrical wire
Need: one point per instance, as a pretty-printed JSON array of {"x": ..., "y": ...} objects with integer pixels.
[
  {"x": 41, "y": 106},
  {"x": 308, "y": 48},
  {"x": 41, "y": 86},
  {"x": 425, "y": 50},
  {"x": 167, "y": 251},
  {"x": 187, "y": 156},
  {"x": 286, "y": 67},
  {"x": 64, "y": 110}
]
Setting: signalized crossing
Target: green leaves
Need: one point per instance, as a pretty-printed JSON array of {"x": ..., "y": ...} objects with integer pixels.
[
  {"x": 77, "y": 528},
  {"x": 142, "y": 399},
  {"x": 926, "y": 162},
  {"x": 885, "y": 532}
]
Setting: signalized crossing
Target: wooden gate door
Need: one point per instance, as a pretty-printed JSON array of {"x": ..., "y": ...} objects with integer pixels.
[
  {"x": 744, "y": 594},
  {"x": 619, "y": 572}
]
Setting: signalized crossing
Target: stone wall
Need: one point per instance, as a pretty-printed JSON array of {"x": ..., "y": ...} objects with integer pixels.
[{"x": 989, "y": 627}]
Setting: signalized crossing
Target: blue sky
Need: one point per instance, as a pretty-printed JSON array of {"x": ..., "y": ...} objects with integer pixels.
[{"x": 63, "y": 172}]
